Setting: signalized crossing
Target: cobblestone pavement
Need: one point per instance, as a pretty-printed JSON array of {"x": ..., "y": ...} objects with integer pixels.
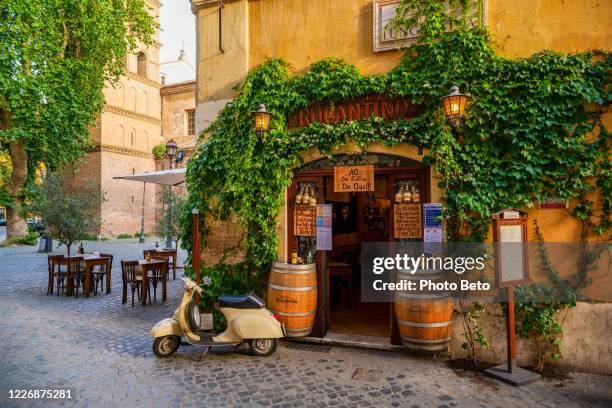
[{"x": 102, "y": 349}]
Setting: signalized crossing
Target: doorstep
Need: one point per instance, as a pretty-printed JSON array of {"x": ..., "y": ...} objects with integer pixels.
[{"x": 349, "y": 340}]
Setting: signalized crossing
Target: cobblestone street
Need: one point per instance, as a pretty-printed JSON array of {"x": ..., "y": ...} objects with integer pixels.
[{"x": 102, "y": 348}]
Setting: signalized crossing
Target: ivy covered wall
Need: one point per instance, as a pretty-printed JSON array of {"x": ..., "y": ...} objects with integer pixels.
[{"x": 533, "y": 130}]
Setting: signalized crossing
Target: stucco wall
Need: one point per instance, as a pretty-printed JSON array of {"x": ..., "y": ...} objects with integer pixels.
[
  {"x": 174, "y": 105},
  {"x": 585, "y": 345}
]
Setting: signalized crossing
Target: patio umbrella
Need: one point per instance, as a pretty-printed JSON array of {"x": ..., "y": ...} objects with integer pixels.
[{"x": 174, "y": 177}]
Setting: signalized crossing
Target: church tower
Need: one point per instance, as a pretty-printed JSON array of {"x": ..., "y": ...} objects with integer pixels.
[{"x": 127, "y": 130}]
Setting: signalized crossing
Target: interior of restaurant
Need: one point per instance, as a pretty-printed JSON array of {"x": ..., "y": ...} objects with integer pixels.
[{"x": 357, "y": 217}]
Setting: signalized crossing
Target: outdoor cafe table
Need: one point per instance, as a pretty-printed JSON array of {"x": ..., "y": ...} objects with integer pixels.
[
  {"x": 145, "y": 267},
  {"x": 96, "y": 260},
  {"x": 90, "y": 261},
  {"x": 171, "y": 252}
]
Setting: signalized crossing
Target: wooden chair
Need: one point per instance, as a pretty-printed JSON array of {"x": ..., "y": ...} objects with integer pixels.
[
  {"x": 169, "y": 255},
  {"x": 76, "y": 274},
  {"x": 132, "y": 276},
  {"x": 56, "y": 275},
  {"x": 158, "y": 272},
  {"x": 100, "y": 272}
]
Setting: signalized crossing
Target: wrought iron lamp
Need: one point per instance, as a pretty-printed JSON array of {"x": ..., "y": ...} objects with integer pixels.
[
  {"x": 262, "y": 119},
  {"x": 454, "y": 105},
  {"x": 171, "y": 148}
]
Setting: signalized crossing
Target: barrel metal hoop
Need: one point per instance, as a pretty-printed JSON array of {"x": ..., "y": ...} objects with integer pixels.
[
  {"x": 412, "y": 340},
  {"x": 298, "y": 272},
  {"x": 296, "y": 314},
  {"x": 424, "y": 325},
  {"x": 293, "y": 289}
]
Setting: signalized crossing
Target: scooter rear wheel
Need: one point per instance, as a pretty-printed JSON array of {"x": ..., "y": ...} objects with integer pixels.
[
  {"x": 263, "y": 347},
  {"x": 165, "y": 346}
]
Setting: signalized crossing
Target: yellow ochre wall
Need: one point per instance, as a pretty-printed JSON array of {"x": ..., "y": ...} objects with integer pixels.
[{"x": 305, "y": 31}]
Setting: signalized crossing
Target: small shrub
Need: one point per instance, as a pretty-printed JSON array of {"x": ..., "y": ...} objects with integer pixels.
[
  {"x": 124, "y": 236},
  {"x": 31, "y": 238},
  {"x": 159, "y": 151}
]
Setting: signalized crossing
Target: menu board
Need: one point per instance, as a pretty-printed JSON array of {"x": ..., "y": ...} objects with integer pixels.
[
  {"x": 353, "y": 178},
  {"x": 512, "y": 254},
  {"x": 304, "y": 220},
  {"x": 408, "y": 221}
]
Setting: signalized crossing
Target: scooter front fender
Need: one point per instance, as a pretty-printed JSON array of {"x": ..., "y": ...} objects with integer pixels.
[{"x": 166, "y": 327}]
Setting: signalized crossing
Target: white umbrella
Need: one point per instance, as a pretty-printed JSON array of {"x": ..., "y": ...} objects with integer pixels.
[{"x": 172, "y": 177}]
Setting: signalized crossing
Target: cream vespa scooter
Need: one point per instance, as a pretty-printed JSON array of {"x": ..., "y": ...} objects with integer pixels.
[{"x": 248, "y": 321}]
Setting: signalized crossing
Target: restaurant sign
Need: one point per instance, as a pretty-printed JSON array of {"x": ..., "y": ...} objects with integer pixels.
[
  {"x": 388, "y": 37},
  {"x": 353, "y": 178},
  {"x": 357, "y": 109}
]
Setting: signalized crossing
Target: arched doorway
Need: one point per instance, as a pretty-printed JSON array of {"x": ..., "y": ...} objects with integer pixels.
[{"x": 357, "y": 217}]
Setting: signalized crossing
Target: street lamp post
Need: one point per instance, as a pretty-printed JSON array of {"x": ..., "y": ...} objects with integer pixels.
[{"x": 171, "y": 148}]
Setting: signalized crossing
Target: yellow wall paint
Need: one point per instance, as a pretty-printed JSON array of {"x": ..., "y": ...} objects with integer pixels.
[
  {"x": 524, "y": 27},
  {"x": 303, "y": 32}
]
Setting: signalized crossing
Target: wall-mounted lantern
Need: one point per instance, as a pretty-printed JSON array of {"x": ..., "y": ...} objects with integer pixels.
[
  {"x": 171, "y": 148},
  {"x": 454, "y": 105},
  {"x": 262, "y": 119}
]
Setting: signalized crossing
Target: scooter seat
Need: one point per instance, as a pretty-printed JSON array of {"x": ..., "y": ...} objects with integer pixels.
[{"x": 250, "y": 301}]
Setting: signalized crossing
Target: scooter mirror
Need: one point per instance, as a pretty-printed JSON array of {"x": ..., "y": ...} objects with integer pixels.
[{"x": 207, "y": 281}]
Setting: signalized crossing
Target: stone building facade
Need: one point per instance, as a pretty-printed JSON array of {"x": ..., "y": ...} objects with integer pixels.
[
  {"x": 235, "y": 36},
  {"x": 128, "y": 129}
]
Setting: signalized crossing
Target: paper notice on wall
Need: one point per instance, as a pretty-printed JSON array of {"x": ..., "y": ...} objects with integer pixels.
[
  {"x": 432, "y": 222},
  {"x": 324, "y": 227}
]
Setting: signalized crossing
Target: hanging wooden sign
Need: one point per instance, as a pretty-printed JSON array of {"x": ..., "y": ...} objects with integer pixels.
[
  {"x": 305, "y": 220},
  {"x": 353, "y": 178},
  {"x": 408, "y": 220}
]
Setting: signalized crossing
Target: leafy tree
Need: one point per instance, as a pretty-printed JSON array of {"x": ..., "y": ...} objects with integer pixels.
[
  {"x": 56, "y": 56},
  {"x": 69, "y": 215},
  {"x": 169, "y": 215}
]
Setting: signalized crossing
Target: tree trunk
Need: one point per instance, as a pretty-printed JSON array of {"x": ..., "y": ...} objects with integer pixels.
[{"x": 16, "y": 225}]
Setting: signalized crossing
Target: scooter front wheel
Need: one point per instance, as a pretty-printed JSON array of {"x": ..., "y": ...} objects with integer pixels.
[
  {"x": 165, "y": 346},
  {"x": 263, "y": 347}
]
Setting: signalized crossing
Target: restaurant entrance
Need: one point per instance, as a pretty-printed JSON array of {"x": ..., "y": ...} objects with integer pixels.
[{"x": 357, "y": 218}]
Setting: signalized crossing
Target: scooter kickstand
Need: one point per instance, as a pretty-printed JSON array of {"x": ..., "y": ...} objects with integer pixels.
[{"x": 206, "y": 350}]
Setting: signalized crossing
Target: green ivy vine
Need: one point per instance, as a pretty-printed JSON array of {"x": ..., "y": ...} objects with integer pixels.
[{"x": 527, "y": 135}]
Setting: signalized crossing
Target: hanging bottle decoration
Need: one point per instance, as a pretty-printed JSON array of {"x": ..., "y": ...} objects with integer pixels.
[
  {"x": 416, "y": 194},
  {"x": 313, "y": 197},
  {"x": 306, "y": 195},
  {"x": 407, "y": 195},
  {"x": 298, "y": 197},
  {"x": 399, "y": 197}
]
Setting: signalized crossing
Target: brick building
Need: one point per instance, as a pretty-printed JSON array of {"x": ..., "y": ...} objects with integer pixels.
[{"x": 128, "y": 129}]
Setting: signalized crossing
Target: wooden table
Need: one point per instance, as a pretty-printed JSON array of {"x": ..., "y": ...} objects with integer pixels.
[
  {"x": 96, "y": 260},
  {"x": 345, "y": 272},
  {"x": 170, "y": 252},
  {"x": 145, "y": 267}
]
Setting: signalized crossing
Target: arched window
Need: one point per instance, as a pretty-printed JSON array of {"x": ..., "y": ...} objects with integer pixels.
[{"x": 141, "y": 64}]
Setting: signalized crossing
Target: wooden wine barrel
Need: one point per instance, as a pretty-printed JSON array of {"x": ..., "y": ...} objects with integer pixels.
[
  {"x": 424, "y": 318},
  {"x": 292, "y": 294}
]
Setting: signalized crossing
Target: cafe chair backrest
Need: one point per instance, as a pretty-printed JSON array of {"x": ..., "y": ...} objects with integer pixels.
[
  {"x": 74, "y": 264},
  {"x": 53, "y": 260},
  {"x": 110, "y": 261},
  {"x": 129, "y": 270}
]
